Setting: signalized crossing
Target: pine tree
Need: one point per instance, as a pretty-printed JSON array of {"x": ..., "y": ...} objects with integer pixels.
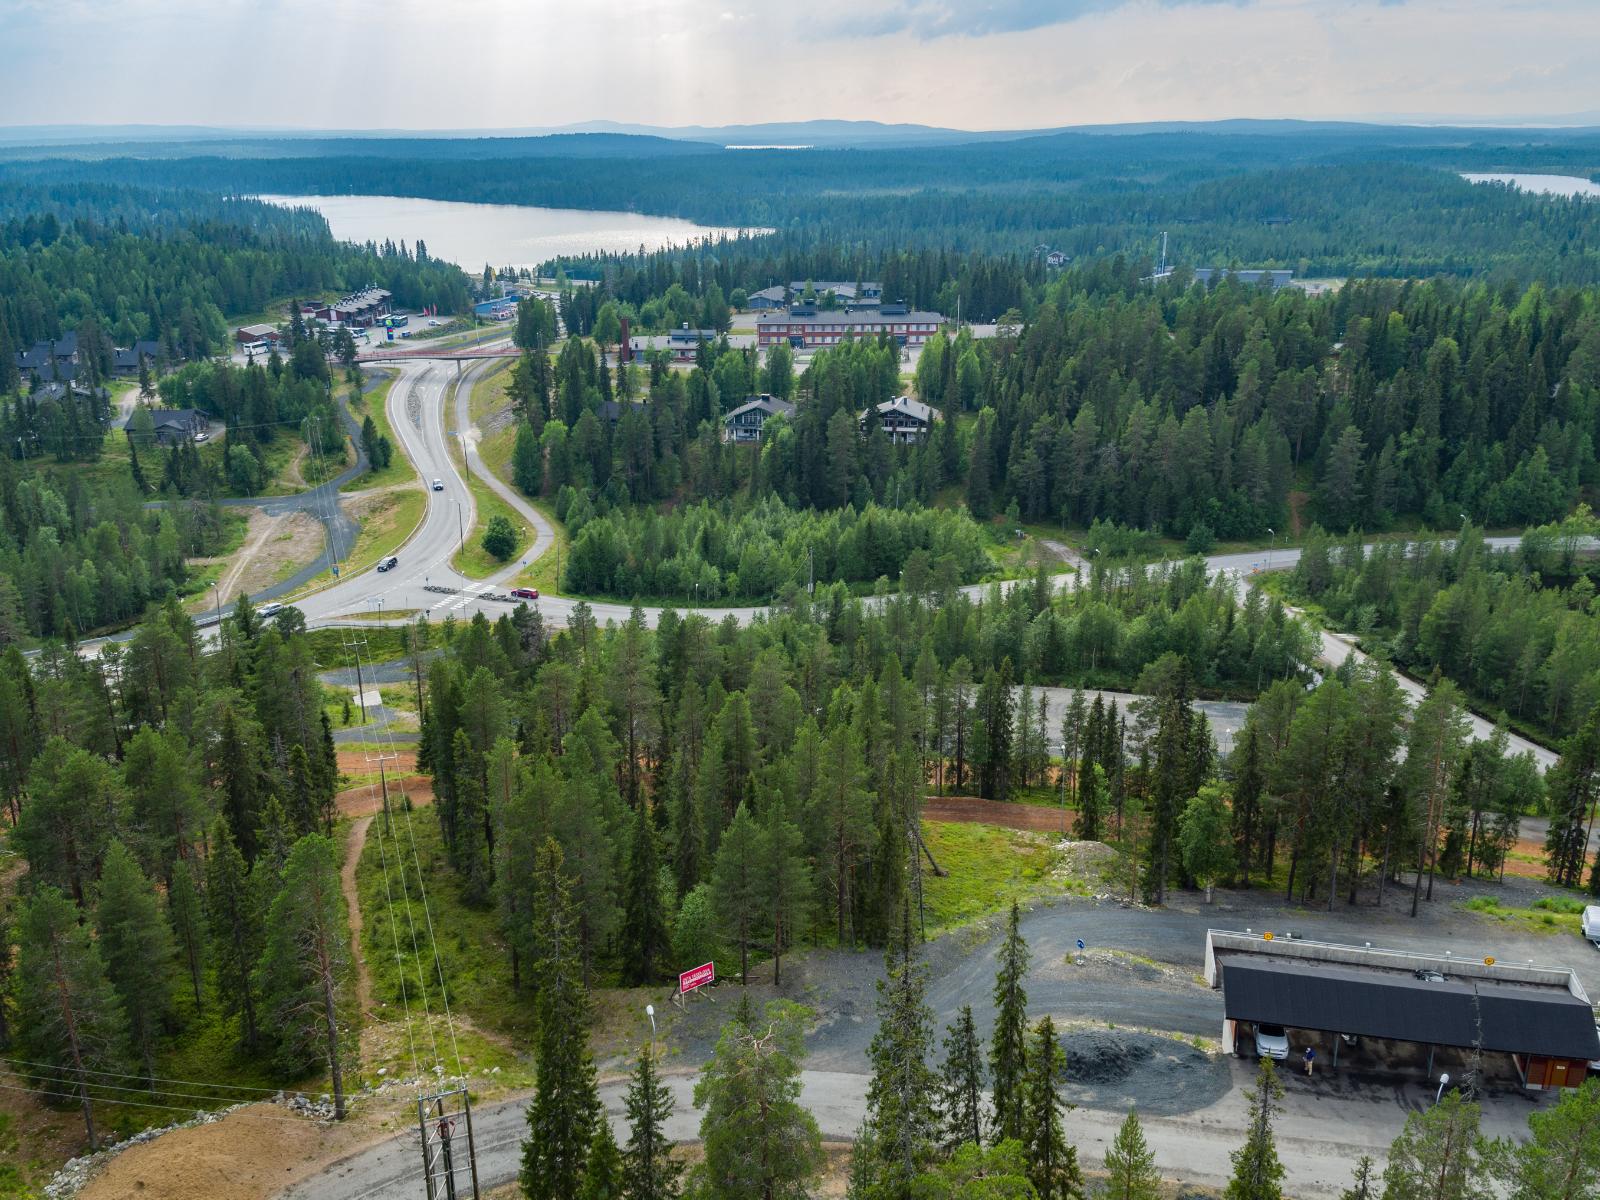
[
  {"x": 1561, "y": 1158},
  {"x": 901, "y": 1130},
  {"x": 68, "y": 1015},
  {"x": 187, "y": 917},
  {"x": 1441, "y": 1155},
  {"x": 759, "y": 1140},
  {"x": 648, "y": 1169},
  {"x": 645, "y": 942},
  {"x": 305, "y": 975},
  {"x": 1130, "y": 1165},
  {"x": 1008, "y": 1052},
  {"x": 1052, "y": 1162},
  {"x": 136, "y": 946},
  {"x": 1091, "y": 801},
  {"x": 233, "y": 907},
  {"x": 961, "y": 1090},
  {"x": 1257, "y": 1172},
  {"x": 602, "y": 1172},
  {"x": 566, "y": 1105}
]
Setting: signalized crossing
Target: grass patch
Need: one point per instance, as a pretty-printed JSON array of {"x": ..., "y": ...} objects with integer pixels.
[
  {"x": 472, "y": 560},
  {"x": 375, "y": 404},
  {"x": 328, "y": 646},
  {"x": 472, "y": 953},
  {"x": 1552, "y": 915},
  {"x": 988, "y": 867},
  {"x": 389, "y": 522}
]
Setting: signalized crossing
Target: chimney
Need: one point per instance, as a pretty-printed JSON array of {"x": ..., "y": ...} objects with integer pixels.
[{"x": 627, "y": 343}]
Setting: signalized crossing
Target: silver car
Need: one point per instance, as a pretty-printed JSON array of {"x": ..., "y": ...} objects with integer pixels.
[{"x": 1272, "y": 1041}]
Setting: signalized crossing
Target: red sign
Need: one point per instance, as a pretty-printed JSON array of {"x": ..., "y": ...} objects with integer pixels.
[{"x": 698, "y": 977}]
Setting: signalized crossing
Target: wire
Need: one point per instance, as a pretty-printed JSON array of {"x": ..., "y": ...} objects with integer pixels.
[
  {"x": 78, "y": 1099},
  {"x": 438, "y": 962},
  {"x": 237, "y": 1087}
]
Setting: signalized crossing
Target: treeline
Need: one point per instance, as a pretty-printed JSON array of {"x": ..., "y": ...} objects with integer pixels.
[
  {"x": 173, "y": 808},
  {"x": 1180, "y": 406},
  {"x": 1515, "y": 628},
  {"x": 1323, "y": 203},
  {"x": 173, "y": 266},
  {"x": 77, "y": 555},
  {"x": 728, "y": 552},
  {"x": 776, "y": 770}
]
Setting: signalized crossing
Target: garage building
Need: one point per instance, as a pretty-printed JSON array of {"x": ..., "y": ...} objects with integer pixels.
[{"x": 1540, "y": 1017}]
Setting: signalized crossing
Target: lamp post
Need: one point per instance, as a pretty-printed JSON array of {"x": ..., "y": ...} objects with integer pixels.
[
  {"x": 1444, "y": 1081},
  {"x": 1272, "y": 536}
]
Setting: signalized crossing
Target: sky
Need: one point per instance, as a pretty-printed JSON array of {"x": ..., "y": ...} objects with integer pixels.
[{"x": 971, "y": 64}]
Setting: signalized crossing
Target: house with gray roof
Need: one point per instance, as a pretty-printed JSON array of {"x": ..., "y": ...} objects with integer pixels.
[
  {"x": 907, "y": 422},
  {"x": 745, "y": 423}
]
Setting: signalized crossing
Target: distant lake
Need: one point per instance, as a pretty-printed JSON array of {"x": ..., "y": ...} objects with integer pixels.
[
  {"x": 515, "y": 235},
  {"x": 1549, "y": 185}
]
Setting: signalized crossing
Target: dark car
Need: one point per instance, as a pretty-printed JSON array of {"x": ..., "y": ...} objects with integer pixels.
[{"x": 525, "y": 593}]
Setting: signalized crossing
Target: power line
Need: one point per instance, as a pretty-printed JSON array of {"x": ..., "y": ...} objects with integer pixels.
[{"x": 238, "y": 1087}]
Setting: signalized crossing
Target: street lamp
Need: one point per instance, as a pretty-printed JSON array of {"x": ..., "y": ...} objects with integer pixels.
[
  {"x": 650, "y": 1011},
  {"x": 1272, "y": 536},
  {"x": 1444, "y": 1081}
]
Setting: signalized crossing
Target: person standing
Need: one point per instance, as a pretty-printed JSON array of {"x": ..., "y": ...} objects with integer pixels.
[{"x": 1311, "y": 1057}]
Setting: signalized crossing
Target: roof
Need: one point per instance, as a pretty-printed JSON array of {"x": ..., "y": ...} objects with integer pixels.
[
  {"x": 41, "y": 353},
  {"x": 776, "y": 293},
  {"x": 1511, "y": 1017},
  {"x": 856, "y": 316},
  {"x": 695, "y": 336},
  {"x": 905, "y": 405},
  {"x": 259, "y": 331},
  {"x": 130, "y": 356},
  {"x": 178, "y": 418},
  {"x": 770, "y": 405}
]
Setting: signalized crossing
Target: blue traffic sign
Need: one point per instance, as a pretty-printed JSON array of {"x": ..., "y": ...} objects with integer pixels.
[{"x": 1080, "y": 944}]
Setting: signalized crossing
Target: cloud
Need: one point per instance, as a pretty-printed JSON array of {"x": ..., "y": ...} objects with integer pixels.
[{"x": 928, "y": 19}]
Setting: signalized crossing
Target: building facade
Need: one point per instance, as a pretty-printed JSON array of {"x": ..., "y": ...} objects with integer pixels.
[
  {"x": 807, "y": 328},
  {"x": 908, "y": 422},
  {"x": 745, "y": 423}
]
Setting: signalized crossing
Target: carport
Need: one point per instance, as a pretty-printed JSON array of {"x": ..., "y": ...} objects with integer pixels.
[{"x": 1540, "y": 1017}]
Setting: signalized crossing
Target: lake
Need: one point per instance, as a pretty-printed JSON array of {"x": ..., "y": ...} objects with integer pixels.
[
  {"x": 501, "y": 235},
  {"x": 1549, "y": 185}
]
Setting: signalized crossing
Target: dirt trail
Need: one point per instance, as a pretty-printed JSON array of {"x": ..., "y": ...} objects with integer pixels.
[
  {"x": 347, "y": 878},
  {"x": 970, "y": 810},
  {"x": 261, "y": 528}
]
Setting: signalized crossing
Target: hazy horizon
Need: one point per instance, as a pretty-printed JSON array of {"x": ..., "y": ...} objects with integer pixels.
[{"x": 414, "y": 67}]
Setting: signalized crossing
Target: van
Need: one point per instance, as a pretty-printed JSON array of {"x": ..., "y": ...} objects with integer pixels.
[{"x": 389, "y": 563}]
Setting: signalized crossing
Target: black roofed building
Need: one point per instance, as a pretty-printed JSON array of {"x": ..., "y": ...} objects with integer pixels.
[
  {"x": 126, "y": 361},
  {"x": 174, "y": 425},
  {"x": 1540, "y": 1018}
]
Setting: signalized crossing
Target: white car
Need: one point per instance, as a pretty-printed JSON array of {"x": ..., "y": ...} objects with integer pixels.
[
  {"x": 269, "y": 610},
  {"x": 1272, "y": 1041},
  {"x": 433, "y": 324},
  {"x": 1591, "y": 923},
  {"x": 438, "y": 485}
]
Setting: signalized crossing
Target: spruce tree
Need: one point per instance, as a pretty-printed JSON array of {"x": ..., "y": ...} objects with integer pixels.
[
  {"x": 187, "y": 917},
  {"x": 566, "y": 1105},
  {"x": 1008, "y": 1051},
  {"x": 1052, "y": 1162},
  {"x": 961, "y": 1089},
  {"x": 1091, "y": 801},
  {"x": 69, "y": 1019},
  {"x": 602, "y": 1172},
  {"x": 1130, "y": 1165},
  {"x": 785, "y": 879},
  {"x": 736, "y": 886},
  {"x": 1364, "y": 1186},
  {"x": 136, "y": 946},
  {"x": 648, "y": 1169},
  {"x": 233, "y": 907},
  {"x": 901, "y": 1130},
  {"x": 645, "y": 942},
  {"x": 1257, "y": 1171}
]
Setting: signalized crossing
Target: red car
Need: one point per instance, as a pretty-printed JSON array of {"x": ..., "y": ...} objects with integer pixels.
[{"x": 525, "y": 593}]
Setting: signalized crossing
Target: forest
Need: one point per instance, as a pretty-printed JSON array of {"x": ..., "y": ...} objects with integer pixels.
[
  {"x": 1339, "y": 201},
  {"x": 120, "y": 264},
  {"x": 1517, "y": 629}
]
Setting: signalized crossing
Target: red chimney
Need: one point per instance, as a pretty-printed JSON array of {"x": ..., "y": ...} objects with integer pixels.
[{"x": 626, "y": 352}]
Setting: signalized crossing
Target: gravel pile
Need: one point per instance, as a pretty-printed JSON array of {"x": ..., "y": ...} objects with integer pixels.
[{"x": 1113, "y": 1068}]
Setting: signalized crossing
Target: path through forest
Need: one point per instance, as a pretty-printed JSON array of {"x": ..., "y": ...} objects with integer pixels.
[{"x": 347, "y": 879}]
